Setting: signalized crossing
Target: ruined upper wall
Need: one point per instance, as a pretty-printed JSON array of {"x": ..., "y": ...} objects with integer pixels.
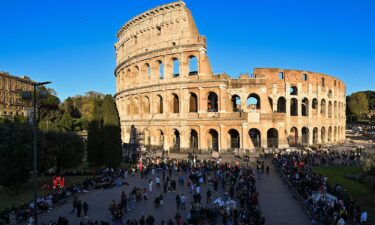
[{"x": 161, "y": 27}]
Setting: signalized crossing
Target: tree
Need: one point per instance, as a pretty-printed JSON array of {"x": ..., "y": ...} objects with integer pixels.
[
  {"x": 111, "y": 133},
  {"x": 63, "y": 150},
  {"x": 66, "y": 122},
  {"x": 358, "y": 104},
  {"x": 16, "y": 154},
  {"x": 95, "y": 137}
]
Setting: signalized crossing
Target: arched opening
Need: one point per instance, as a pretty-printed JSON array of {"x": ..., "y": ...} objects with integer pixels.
[
  {"x": 146, "y": 70},
  {"x": 315, "y": 105},
  {"x": 136, "y": 72},
  {"x": 329, "y": 109},
  {"x": 212, "y": 102},
  {"x": 315, "y": 136},
  {"x": 161, "y": 70},
  {"x": 270, "y": 101},
  {"x": 134, "y": 106},
  {"x": 255, "y": 137},
  {"x": 236, "y": 103},
  {"x": 176, "y": 68},
  {"x": 176, "y": 140},
  {"x": 147, "y": 140},
  {"x": 175, "y": 104},
  {"x": 323, "y": 135},
  {"x": 281, "y": 105},
  {"x": 159, "y": 138},
  {"x": 234, "y": 138},
  {"x": 128, "y": 108},
  {"x": 329, "y": 134},
  {"x": 293, "y": 90},
  {"x": 272, "y": 138},
  {"x": 253, "y": 101},
  {"x": 193, "y": 103},
  {"x": 159, "y": 104},
  {"x": 294, "y": 107},
  {"x": 193, "y": 139},
  {"x": 335, "y": 109},
  {"x": 213, "y": 140},
  {"x": 146, "y": 105},
  {"x": 305, "y": 136},
  {"x": 305, "y": 107},
  {"x": 335, "y": 134},
  {"x": 323, "y": 107},
  {"x": 293, "y": 137},
  {"x": 193, "y": 65}
]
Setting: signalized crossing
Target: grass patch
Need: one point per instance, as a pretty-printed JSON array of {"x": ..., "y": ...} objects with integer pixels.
[
  {"x": 25, "y": 193},
  {"x": 359, "y": 191}
]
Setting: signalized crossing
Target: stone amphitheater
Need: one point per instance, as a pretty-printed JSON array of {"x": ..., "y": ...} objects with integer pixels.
[{"x": 168, "y": 96}]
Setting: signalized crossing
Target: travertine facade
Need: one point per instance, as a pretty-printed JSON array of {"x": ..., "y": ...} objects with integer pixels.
[
  {"x": 167, "y": 94},
  {"x": 10, "y": 99}
]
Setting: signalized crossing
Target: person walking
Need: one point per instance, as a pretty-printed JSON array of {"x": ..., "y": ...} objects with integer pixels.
[
  {"x": 150, "y": 185},
  {"x": 178, "y": 201},
  {"x": 157, "y": 181},
  {"x": 183, "y": 201},
  {"x": 75, "y": 201},
  {"x": 79, "y": 208},
  {"x": 85, "y": 208}
]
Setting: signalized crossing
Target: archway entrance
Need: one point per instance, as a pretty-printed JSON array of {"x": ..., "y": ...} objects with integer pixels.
[
  {"x": 272, "y": 138},
  {"x": 176, "y": 140},
  {"x": 193, "y": 140},
  {"x": 293, "y": 137},
  {"x": 305, "y": 136},
  {"x": 213, "y": 140},
  {"x": 255, "y": 137},
  {"x": 234, "y": 138}
]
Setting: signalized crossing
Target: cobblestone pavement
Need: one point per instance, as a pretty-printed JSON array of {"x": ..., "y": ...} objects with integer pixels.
[
  {"x": 278, "y": 205},
  {"x": 277, "y": 202}
]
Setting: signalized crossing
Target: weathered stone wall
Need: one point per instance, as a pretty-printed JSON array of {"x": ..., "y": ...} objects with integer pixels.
[{"x": 184, "y": 105}]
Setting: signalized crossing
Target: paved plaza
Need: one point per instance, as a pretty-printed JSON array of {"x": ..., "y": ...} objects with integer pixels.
[{"x": 277, "y": 203}]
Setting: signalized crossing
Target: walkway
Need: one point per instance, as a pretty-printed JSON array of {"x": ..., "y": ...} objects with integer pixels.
[{"x": 277, "y": 202}]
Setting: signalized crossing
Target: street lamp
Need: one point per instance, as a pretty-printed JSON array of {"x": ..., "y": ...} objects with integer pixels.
[{"x": 27, "y": 95}]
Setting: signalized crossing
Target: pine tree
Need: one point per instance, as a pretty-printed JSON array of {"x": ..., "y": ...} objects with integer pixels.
[
  {"x": 95, "y": 137},
  {"x": 67, "y": 122},
  {"x": 111, "y": 133}
]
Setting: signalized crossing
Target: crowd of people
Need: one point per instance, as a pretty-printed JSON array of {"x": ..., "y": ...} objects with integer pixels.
[
  {"x": 234, "y": 187},
  {"x": 328, "y": 205},
  {"x": 103, "y": 178}
]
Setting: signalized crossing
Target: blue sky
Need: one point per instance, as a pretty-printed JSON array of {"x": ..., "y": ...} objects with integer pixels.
[{"x": 70, "y": 42}]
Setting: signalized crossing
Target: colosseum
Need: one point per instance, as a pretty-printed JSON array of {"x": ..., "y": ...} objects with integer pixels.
[{"x": 168, "y": 96}]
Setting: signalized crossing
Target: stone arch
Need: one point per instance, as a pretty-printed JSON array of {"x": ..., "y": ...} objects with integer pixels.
[
  {"x": 147, "y": 137},
  {"x": 236, "y": 103},
  {"x": 234, "y": 138},
  {"x": 146, "y": 70},
  {"x": 146, "y": 105},
  {"x": 255, "y": 137},
  {"x": 213, "y": 140},
  {"x": 294, "y": 107},
  {"x": 253, "y": 101},
  {"x": 159, "y": 104},
  {"x": 330, "y": 109},
  {"x": 193, "y": 103},
  {"x": 161, "y": 69},
  {"x": 176, "y": 140},
  {"x": 323, "y": 135},
  {"x": 293, "y": 137},
  {"x": 212, "y": 102},
  {"x": 323, "y": 106},
  {"x": 335, "y": 109},
  {"x": 314, "y": 105},
  {"x": 175, "y": 67},
  {"x": 272, "y": 138},
  {"x": 315, "y": 135},
  {"x": 159, "y": 137},
  {"x": 135, "y": 73},
  {"x": 194, "y": 139},
  {"x": 305, "y": 135},
  {"x": 281, "y": 105},
  {"x": 335, "y": 134},
  {"x": 293, "y": 90},
  {"x": 193, "y": 65},
  {"x": 329, "y": 134},
  {"x": 134, "y": 106},
  {"x": 305, "y": 107},
  {"x": 270, "y": 101},
  {"x": 175, "y": 103}
]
